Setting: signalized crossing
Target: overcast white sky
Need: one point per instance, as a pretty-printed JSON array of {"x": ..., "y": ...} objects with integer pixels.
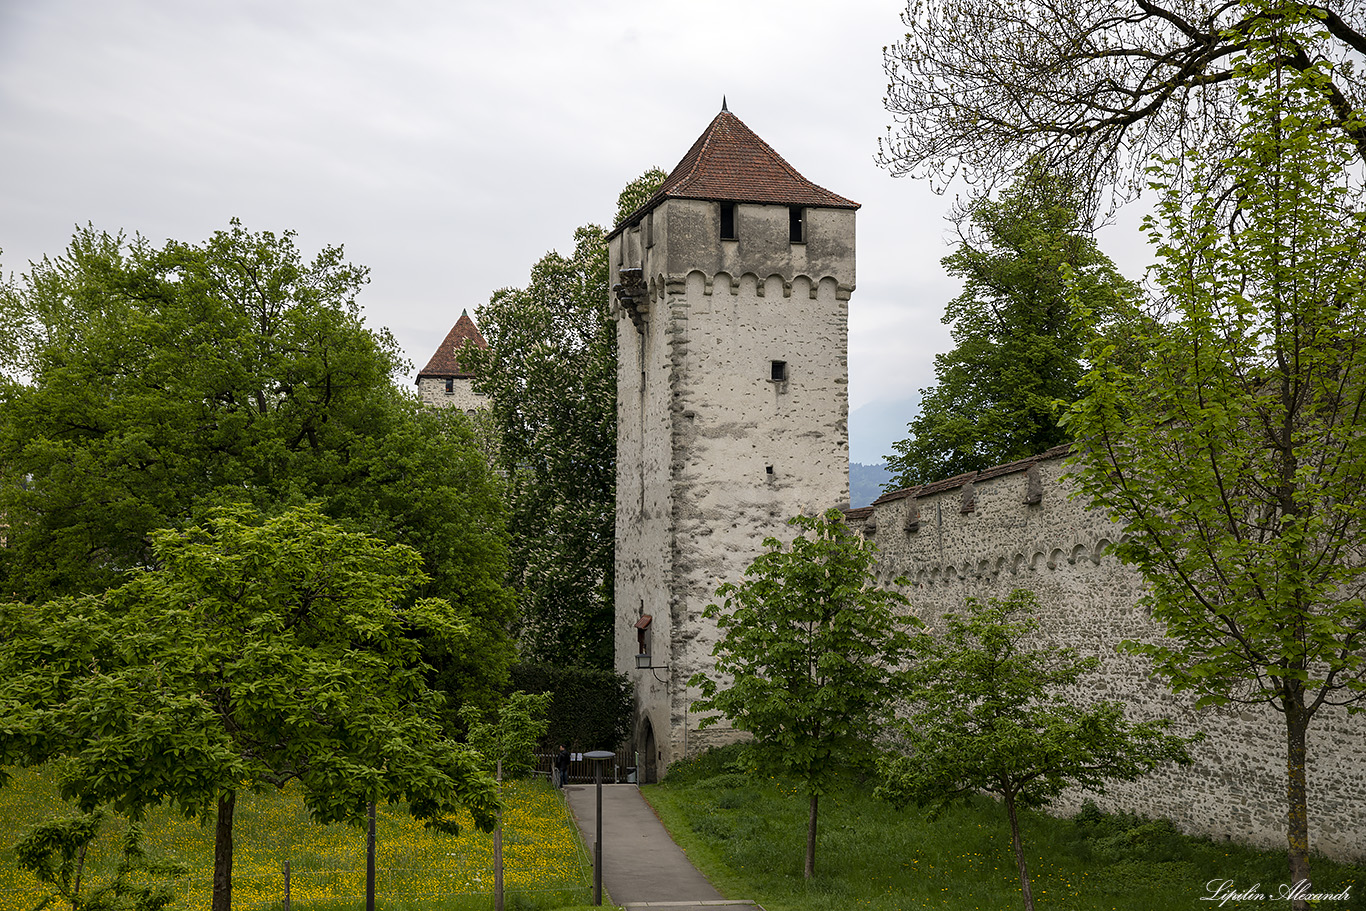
[{"x": 449, "y": 145}]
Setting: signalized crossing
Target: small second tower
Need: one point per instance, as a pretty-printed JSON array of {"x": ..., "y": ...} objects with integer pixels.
[{"x": 445, "y": 382}]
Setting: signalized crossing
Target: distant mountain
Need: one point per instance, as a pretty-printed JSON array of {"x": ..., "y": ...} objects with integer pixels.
[
  {"x": 865, "y": 483},
  {"x": 874, "y": 426}
]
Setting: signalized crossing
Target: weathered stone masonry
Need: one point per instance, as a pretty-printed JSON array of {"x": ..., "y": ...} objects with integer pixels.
[
  {"x": 1017, "y": 526},
  {"x": 733, "y": 285}
]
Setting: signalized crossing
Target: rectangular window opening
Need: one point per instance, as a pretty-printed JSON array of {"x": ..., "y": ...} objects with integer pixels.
[
  {"x": 450, "y": 386},
  {"x": 768, "y": 470},
  {"x": 778, "y": 371},
  {"x": 649, "y": 229},
  {"x": 728, "y": 221},
  {"x": 796, "y": 224}
]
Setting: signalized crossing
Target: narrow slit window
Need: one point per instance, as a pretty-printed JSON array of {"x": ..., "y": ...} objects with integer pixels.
[
  {"x": 777, "y": 371},
  {"x": 728, "y": 221},
  {"x": 450, "y": 386},
  {"x": 796, "y": 224}
]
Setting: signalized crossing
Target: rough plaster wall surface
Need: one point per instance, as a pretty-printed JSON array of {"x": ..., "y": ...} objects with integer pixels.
[
  {"x": 432, "y": 391},
  {"x": 714, "y": 453},
  {"x": 1057, "y": 548},
  {"x": 749, "y": 451},
  {"x": 644, "y": 516}
]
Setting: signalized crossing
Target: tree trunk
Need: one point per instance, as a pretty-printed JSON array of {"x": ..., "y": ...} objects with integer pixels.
[
  {"x": 1297, "y": 789},
  {"x": 370, "y": 857},
  {"x": 80, "y": 868},
  {"x": 222, "y": 853},
  {"x": 811, "y": 840},
  {"x": 1019, "y": 850},
  {"x": 498, "y": 845}
]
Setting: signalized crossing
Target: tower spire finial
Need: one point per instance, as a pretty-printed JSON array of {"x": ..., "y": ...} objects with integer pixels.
[{"x": 724, "y": 109}]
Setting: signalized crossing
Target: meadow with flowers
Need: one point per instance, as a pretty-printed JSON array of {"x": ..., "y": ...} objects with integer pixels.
[{"x": 545, "y": 866}]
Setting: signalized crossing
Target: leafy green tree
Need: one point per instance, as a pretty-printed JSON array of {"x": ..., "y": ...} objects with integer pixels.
[
  {"x": 507, "y": 745},
  {"x": 148, "y": 385},
  {"x": 1017, "y": 347},
  {"x": 986, "y": 716},
  {"x": 257, "y": 652},
  {"x": 421, "y": 481},
  {"x": 1234, "y": 455},
  {"x": 55, "y": 854},
  {"x": 551, "y": 372},
  {"x": 638, "y": 192},
  {"x": 813, "y": 650}
]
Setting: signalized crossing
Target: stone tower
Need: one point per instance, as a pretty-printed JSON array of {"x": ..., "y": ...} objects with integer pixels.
[
  {"x": 730, "y": 291},
  {"x": 444, "y": 383}
]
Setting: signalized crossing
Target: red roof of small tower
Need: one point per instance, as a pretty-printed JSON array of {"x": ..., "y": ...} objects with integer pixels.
[
  {"x": 729, "y": 162},
  {"x": 446, "y": 362}
]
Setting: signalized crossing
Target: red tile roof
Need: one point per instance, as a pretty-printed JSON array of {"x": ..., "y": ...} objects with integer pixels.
[
  {"x": 729, "y": 162},
  {"x": 446, "y": 362}
]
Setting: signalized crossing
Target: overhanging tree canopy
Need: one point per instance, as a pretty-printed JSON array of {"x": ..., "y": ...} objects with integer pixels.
[{"x": 1096, "y": 87}]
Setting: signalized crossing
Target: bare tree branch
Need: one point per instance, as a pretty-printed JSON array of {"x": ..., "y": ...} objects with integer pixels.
[{"x": 976, "y": 87}]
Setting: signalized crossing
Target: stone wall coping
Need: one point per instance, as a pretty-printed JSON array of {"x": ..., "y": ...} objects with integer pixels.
[{"x": 996, "y": 471}]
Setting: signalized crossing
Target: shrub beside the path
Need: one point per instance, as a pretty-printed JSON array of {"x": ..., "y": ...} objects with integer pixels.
[{"x": 590, "y": 709}]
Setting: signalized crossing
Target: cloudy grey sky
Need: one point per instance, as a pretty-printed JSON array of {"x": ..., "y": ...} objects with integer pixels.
[{"x": 448, "y": 145}]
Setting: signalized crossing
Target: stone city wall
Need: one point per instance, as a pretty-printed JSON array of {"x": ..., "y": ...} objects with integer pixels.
[{"x": 1016, "y": 526}]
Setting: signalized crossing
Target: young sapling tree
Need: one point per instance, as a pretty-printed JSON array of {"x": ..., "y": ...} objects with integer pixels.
[
  {"x": 989, "y": 713},
  {"x": 812, "y": 648},
  {"x": 507, "y": 744}
]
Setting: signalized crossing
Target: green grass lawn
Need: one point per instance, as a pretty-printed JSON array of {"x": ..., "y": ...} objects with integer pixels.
[
  {"x": 748, "y": 834},
  {"x": 545, "y": 864}
]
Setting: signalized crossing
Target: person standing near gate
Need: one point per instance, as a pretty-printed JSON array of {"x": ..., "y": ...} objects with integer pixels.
[{"x": 562, "y": 767}]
